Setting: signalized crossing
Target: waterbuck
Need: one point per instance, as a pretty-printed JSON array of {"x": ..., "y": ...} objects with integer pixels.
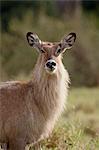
[{"x": 29, "y": 109}]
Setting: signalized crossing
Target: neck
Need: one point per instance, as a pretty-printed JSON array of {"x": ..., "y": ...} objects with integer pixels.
[{"x": 50, "y": 91}]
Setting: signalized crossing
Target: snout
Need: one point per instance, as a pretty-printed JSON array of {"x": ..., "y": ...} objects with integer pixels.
[{"x": 51, "y": 66}]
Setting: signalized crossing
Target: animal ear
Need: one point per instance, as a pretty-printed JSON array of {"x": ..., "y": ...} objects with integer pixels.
[
  {"x": 34, "y": 41},
  {"x": 66, "y": 43}
]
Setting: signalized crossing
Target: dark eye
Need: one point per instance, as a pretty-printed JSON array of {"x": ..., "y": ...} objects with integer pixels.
[
  {"x": 59, "y": 50},
  {"x": 42, "y": 51}
]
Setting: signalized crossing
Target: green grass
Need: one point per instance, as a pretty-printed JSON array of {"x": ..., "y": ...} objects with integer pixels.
[{"x": 78, "y": 128}]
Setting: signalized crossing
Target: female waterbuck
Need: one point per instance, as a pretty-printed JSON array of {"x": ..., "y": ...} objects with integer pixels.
[{"x": 29, "y": 110}]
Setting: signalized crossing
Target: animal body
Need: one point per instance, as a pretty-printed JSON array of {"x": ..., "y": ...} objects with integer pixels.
[{"x": 29, "y": 110}]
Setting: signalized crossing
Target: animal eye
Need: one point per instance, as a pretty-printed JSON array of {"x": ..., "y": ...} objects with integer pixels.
[
  {"x": 42, "y": 51},
  {"x": 58, "y": 50}
]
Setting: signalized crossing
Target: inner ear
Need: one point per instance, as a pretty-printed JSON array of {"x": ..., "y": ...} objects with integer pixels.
[
  {"x": 71, "y": 39},
  {"x": 68, "y": 41},
  {"x": 34, "y": 41}
]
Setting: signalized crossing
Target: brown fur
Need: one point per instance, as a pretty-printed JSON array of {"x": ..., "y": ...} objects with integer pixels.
[{"x": 29, "y": 110}]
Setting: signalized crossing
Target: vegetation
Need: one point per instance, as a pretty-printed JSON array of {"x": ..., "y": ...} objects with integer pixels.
[
  {"x": 50, "y": 20},
  {"x": 78, "y": 128}
]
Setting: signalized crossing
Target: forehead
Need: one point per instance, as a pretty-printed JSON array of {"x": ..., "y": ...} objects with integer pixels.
[
  {"x": 49, "y": 46},
  {"x": 50, "y": 49}
]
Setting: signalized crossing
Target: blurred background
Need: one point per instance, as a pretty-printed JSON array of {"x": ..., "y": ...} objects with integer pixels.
[
  {"x": 78, "y": 128},
  {"x": 50, "y": 20}
]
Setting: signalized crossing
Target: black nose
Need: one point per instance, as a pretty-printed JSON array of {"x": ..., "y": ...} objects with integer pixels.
[{"x": 51, "y": 65}]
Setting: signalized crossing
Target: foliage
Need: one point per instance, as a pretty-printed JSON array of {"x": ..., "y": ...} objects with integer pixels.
[
  {"x": 78, "y": 128},
  {"x": 50, "y": 20},
  {"x": 91, "y": 7}
]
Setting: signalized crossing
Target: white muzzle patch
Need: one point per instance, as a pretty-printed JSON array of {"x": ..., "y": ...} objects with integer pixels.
[{"x": 51, "y": 66}]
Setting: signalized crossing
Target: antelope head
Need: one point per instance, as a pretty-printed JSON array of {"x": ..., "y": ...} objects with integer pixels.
[{"x": 50, "y": 53}]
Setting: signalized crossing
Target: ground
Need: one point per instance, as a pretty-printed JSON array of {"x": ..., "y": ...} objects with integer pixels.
[{"x": 78, "y": 128}]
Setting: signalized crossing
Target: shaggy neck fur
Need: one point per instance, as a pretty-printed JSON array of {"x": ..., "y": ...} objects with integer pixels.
[{"x": 50, "y": 90}]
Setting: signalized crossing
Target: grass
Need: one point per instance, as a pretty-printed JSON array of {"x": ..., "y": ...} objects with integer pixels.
[{"x": 78, "y": 128}]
